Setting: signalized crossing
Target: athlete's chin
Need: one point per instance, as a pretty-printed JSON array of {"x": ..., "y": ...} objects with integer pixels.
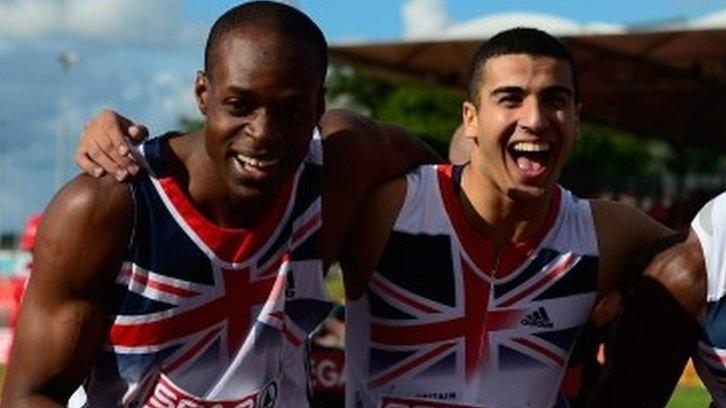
[
  {"x": 525, "y": 187},
  {"x": 246, "y": 190}
]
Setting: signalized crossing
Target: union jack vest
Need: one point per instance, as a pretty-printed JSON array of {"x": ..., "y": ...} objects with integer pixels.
[
  {"x": 446, "y": 322},
  {"x": 213, "y": 317}
]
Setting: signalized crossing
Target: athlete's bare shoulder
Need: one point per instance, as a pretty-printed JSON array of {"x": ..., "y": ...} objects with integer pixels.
[
  {"x": 78, "y": 253},
  {"x": 86, "y": 220}
]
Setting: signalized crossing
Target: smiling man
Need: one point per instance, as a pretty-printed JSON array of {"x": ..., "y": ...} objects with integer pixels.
[
  {"x": 468, "y": 284},
  {"x": 198, "y": 283}
]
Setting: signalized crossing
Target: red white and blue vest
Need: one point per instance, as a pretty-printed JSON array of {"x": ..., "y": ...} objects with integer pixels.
[
  {"x": 213, "y": 317},
  {"x": 446, "y": 322}
]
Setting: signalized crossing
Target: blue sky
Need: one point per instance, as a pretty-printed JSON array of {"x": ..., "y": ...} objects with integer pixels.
[{"x": 139, "y": 57}]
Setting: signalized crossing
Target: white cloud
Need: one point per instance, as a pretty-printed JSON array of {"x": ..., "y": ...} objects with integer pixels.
[
  {"x": 713, "y": 20},
  {"x": 428, "y": 19},
  {"x": 166, "y": 78},
  {"x": 134, "y": 22},
  {"x": 421, "y": 18},
  {"x": 173, "y": 92}
]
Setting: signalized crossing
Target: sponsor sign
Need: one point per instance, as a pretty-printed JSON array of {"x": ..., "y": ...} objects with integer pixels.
[
  {"x": 328, "y": 370},
  {"x": 168, "y": 395}
]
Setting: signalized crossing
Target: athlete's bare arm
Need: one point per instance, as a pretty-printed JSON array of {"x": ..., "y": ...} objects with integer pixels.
[
  {"x": 79, "y": 250},
  {"x": 623, "y": 233},
  {"x": 658, "y": 328},
  {"x": 369, "y": 235},
  {"x": 359, "y": 153},
  {"x": 682, "y": 269}
]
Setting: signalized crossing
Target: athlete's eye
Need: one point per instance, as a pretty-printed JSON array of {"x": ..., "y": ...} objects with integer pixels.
[
  {"x": 239, "y": 106},
  {"x": 557, "y": 101},
  {"x": 509, "y": 99}
]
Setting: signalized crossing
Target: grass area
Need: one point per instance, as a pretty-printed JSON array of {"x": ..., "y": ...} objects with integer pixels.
[
  {"x": 334, "y": 282},
  {"x": 689, "y": 397}
]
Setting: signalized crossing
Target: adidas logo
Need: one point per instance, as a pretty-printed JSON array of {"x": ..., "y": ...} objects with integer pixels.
[{"x": 538, "y": 318}]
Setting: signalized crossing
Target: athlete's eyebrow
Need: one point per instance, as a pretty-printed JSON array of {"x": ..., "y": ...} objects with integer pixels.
[
  {"x": 517, "y": 90},
  {"x": 236, "y": 89},
  {"x": 558, "y": 89},
  {"x": 506, "y": 90}
]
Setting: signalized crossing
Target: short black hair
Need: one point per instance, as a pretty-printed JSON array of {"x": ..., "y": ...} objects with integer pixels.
[
  {"x": 275, "y": 18},
  {"x": 519, "y": 40}
]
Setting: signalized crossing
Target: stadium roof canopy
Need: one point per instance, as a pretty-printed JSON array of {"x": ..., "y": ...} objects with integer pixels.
[{"x": 666, "y": 81}]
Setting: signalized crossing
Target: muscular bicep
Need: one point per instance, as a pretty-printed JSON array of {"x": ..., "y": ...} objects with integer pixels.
[
  {"x": 78, "y": 253},
  {"x": 369, "y": 234},
  {"x": 681, "y": 269}
]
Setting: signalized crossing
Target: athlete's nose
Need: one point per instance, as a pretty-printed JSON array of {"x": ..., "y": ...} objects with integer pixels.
[
  {"x": 263, "y": 128},
  {"x": 534, "y": 115}
]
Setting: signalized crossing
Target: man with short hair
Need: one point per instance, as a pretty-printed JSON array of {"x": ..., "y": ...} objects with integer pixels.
[
  {"x": 468, "y": 284},
  {"x": 198, "y": 283}
]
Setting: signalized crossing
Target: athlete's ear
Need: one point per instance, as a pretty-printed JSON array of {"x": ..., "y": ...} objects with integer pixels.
[
  {"x": 201, "y": 91},
  {"x": 470, "y": 122}
]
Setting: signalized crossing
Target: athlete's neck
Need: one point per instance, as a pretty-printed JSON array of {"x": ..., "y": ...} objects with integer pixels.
[
  {"x": 200, "y": 180},
  {"x": 498, "y": 217}
]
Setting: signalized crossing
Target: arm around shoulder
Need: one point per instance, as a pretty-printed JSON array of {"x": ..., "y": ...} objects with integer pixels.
[
  {"x": 366, "y": 242},
  {"x": 373, "y": 151},
  {"x": 623, "y": 234},
  {"x": 360, "y": 153},
  {"x": 79, "y": 249}
]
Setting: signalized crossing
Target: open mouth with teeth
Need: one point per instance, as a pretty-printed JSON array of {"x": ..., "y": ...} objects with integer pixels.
[
  {"x": 254, "y": 168},
  {"x": 531, "y": 159}
]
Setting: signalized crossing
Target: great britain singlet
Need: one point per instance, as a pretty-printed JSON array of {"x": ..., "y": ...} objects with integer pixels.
[
  {"x": 446, "y": 322},
  {"x": 710, "y": 358},
  {"x": 213, "y": 317}
]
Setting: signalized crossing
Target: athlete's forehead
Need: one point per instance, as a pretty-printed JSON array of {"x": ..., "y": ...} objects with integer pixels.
[
  {"x": 526, "y": 72},
  {"x": 256, "y": 60},
  {"x": 260, "y": 47}
]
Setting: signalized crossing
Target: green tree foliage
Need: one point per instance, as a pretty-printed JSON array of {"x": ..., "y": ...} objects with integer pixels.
[
  {"x": 187, "y": 124},
  {"x": 429, "y": 112},
  {"x": 608, "y": 158}
]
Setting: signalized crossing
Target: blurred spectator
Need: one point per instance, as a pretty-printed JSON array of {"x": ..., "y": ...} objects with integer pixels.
[{"x": 19, "y": 281}]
